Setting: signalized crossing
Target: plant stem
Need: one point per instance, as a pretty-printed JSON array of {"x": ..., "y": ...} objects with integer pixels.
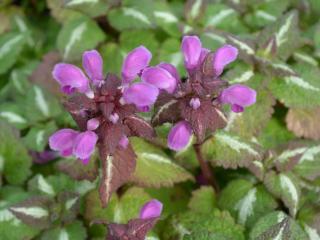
[{"x": 205, "y": 168}]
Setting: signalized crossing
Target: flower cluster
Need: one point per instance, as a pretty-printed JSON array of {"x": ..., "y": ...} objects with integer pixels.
[
  {"x": 195, "y": 105},
  {"x": 105, "y": 109}
]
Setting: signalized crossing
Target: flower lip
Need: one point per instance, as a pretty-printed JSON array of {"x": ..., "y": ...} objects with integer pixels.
[
  {"x": 238, "y": 96},
  {"x": 222, "y": 57},
  {"x": 179, "y": 136},
  {"x": 191, "y": 48},
  {"x": 84, "y": 144},
  {"x": 93, "y": 64},
  {"x": 63, "y": 141},
  {"x": 160, "y": 78},
  {"x": 136, "y": 60},
  {"x": 151, "y": 209},
  {"x": 70, "y": 78}
]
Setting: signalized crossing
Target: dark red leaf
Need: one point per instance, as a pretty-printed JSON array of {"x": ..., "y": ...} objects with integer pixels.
[{"x": 139, "y": 127}]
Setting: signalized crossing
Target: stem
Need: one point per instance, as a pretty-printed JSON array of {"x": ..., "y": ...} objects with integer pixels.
[{"x": 205, "y": 168}]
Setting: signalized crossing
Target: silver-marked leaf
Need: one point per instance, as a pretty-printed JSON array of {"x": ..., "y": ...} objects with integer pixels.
[
  {"x": 13, "y": 114},
  {"x": 312, "y": 233},
  {"x": 11, "y": 45},
  {"x": 284, "y": 186},
  {"x": 230, "y": 151},
  {"x": 246, "y": 48},
  {"x": 34, "y": 211},
  {"x": 132, "y": 15},
  {"x": 277, "y": 225},
  {"x": 212, "y": 39},
  {"x": 14, "y": 158},
  {"x": 40, "y": 185},
  {"x": 194, "y": 10},
  {"x": 154, "y": 168},
  {"x": 92, "y": 8},
  {"x": 117, "y": 169},
  {"x": 246, "y": 202},
  {"x": 78, "y": 35},
  {"x": 37, "y": 137},
  {"x": 70, "y": 206},
  {"x": 40, "y": 104},
  {"x": 285, "y": 31},
  {"x": 298, "y": 91}
]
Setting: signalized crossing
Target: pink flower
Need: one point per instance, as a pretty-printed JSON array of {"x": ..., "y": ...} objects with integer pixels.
[
  {"x": 179, "y": 135},
  {"x": 151, "y": 209}
]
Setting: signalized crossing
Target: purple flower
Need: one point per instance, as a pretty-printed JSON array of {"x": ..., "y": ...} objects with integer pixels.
[
  {"x": 222, "y": 57},
  {"x": 151, "y": 209},
  {"x": 70, "y": 78},
  {"x": 191, "y": 48},
  {"x": 63, "y": 141},
  {"x": 195, "y": 103},
  {"x": 84, "y": 145},
  {"x": 160, "y": 78},
  {"x": 136, "y": 60},
  {"x": 238, "y": 96},
  {"x": 124, "y": 141},
  {"x": 141, "y": 94},
  {"x": 70, "y": 142},
  {"x": 179, "y": 135},
  {"x": 93, "y": 124},
  {"x": 93, "y": 64},
  {"x": 171, "y": 69}
]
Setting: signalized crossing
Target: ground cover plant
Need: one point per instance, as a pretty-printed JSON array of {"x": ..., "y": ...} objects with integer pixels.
[{"x": 141, "y": 119}]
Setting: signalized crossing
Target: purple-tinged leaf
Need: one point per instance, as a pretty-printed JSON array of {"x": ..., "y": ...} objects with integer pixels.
[
  {"x": 139, "y": 127},
  {"x": 116, "y": 171}
]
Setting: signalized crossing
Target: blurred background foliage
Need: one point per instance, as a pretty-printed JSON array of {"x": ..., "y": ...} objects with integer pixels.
[{"x": 267, "y": 159}]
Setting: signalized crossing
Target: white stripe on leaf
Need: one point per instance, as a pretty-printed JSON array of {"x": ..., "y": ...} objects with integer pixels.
[
  {"x": 287, "y": 185},
  {"x": 41, "y": 101},
  {"x": 44, "y": 186},
  {"x": 75, "y": 36},
  {"x": 166, "y": 16},
  {"x": 300, "y": 83},
  {"x": 13, "y": 117},
  {"x": 136, "y": 14},
  {"x": 35, "y": 212},
  {"x": 245, "y": 206}
]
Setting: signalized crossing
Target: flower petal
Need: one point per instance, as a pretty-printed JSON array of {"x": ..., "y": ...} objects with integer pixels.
[
  {"x": 63, "y": 141},
  {"x": 191, "y": 49},
  {"x": 223, "y": 56},
  {"x": 160, "y": 78},
  {"x": 171, "y": 69},
  {"x": 239, "y": 96},
  {"x": 93, "y": 64},
  {"x": 141, "y": 94},
  {"x": 124, "y": 141},
  {"x": 151, "y": 209},
  {"x": 195, "y": 103},
  {"x": 134, "y": 63},
  {"x": 84, "y": 144},
  {"x": 179, "y": 135},
  {"x": 93, "y": 124},
  {"x": 70, "y": 78}
]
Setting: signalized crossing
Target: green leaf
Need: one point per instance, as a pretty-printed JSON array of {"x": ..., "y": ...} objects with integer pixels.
[
  {"x": 132, "y": 39},
  {"x": 285, "y": 31},
  {"x": 212, "y": 225},
  {"x": 154, "y": 168},
  {"x": 73, "y": 231},
  {"x": 230, "y": 151},
  {"x": 37, "y": 137},
  {"x": 41, "y": 105},
  {"x": 132, "y": 15},
  {"x": 113, "y": 56},
  {"x": 298, "y": 90},
  {"x": 274, "y": 134},
  {"x": 11, "y": 157},
  {"x": 277, "y": 225},
  {"x": 203, "y": 200},
  {"x": 284, "y": 186},
  {"x": 78, "y": 35},
  {"x": 40, "y": 185},
  {"x": 88, "y": 7},
  {"x": 246, "y": 202},
  {"x": 13, "y": 114},
  {"x": 11, "y": 45},
  {"x": 10, "y": 226}
]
